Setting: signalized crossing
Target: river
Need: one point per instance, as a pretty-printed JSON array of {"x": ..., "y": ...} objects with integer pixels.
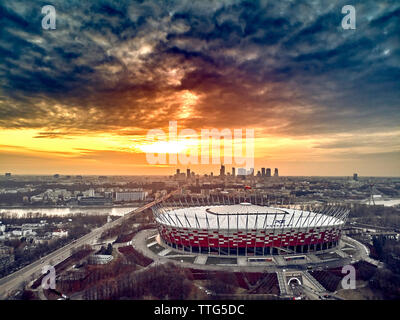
[{"x": 21, "y": 212}]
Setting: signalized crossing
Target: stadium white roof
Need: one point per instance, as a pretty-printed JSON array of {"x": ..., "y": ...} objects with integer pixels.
[{"x": 246, "y": 216}]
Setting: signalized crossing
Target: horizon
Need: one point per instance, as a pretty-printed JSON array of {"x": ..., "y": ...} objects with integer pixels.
[
  {"x": 202, "y": 174},
  {"x": 322, "y": 100}
]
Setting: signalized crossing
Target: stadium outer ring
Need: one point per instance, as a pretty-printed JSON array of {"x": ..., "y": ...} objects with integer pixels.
[{"x": 200, "y": 230}]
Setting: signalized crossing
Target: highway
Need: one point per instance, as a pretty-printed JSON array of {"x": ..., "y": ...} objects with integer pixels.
[{"x": 13, "y": 281}]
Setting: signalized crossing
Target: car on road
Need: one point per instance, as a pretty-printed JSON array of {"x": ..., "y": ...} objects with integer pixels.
[{"x": 208, "y": 292}]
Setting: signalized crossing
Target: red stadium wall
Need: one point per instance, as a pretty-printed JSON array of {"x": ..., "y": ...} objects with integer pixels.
[{"x": 249, "y": 238}]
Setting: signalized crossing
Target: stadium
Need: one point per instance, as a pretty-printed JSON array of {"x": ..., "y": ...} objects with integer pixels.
[{"x": 248, "y": 229}]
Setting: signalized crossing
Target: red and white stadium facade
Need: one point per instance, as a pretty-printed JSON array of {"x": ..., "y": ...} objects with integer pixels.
[{"x": 248, "y": 229}]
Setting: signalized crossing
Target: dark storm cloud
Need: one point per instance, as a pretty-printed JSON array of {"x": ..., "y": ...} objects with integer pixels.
[{"x": 285, "y": 66}]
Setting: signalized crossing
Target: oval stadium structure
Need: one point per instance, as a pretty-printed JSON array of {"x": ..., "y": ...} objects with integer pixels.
[{"x": 248, "y": 229}]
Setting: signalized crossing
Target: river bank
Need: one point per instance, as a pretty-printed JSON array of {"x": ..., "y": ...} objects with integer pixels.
[{"x": 60, "y": 211}]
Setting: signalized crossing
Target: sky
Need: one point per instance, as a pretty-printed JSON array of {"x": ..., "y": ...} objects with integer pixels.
[{"x": 82, "y": 99}]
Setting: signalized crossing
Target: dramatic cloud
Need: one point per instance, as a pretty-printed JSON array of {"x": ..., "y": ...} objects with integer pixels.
[{"x": 284, "y": 67}]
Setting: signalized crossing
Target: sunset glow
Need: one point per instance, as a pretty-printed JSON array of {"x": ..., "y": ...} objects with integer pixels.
[{"x": 82, "y": 98}]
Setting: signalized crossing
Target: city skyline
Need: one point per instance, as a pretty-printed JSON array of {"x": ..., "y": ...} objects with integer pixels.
[
  {"x": 204, "y": 173},
  {"x": 80, "y": 99}
]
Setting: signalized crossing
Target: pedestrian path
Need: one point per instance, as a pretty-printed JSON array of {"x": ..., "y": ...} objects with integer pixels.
[
  {"x": 313, "y": 281},
  {"x": 164, "y": 252},
  {"x": 313, "y": 257},
  {"x": 341, "y": 254},
  {"x": 201, "y": 259},
  {"x": 151, "y": 244},
  {"x": 279, "y": 260},
  {"x": 282, "y": 283}
]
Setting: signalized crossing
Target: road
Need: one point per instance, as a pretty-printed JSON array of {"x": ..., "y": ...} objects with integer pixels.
[
  {"x": 13, "y": 281},
  {"x": 296, "y": 290}
]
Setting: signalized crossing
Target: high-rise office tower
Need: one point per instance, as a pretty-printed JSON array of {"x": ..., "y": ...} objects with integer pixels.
[
  {"x": 178, "y": 171},
  {"x": 262, "y": 172},
  {"x": 276, "y": 174},
  {"x": 268, "y": 172},
  {"x": 233, "y": 172},
  {"x": 188, "y": 173},
  {"x": 222, "y": 171},
  {"x": 355, "y": 176}
]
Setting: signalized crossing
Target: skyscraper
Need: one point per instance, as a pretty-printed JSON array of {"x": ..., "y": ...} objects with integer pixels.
[
  {"x": 276, "y": 172},
  {"x": 233, "y": 172},
  {"x": 222, "y": 170},
  {"x": 355, "y": 176},
  {"x": 188, "y": 173},
  {"x": 262, "y": 172},
  {"x": 268, "y": 172}
]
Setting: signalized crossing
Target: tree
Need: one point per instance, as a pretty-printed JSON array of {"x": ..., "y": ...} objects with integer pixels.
[
  {"x": 378, "y": 246},
  {"x": 109, "y": 249},
  {"x": 28, "y": 295}
]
